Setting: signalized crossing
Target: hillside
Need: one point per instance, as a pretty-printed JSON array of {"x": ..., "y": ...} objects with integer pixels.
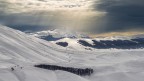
[{"x": 21, "y": 52}]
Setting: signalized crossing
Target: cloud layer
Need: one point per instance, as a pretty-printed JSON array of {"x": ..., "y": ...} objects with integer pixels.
[
  {"x": 94, "y": 16},
  {"x": 44, "y": 14}
]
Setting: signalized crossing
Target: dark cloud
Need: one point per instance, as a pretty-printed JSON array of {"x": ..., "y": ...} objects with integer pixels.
[
  {"x": 25, "y": 21},
  {"x": 122, "y": 15},
  {"x": 16, "y": 15},
  {"x": 39, "y": 20}
]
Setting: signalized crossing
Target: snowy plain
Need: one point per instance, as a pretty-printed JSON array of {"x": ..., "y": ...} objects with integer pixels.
[{"x": 18, "y": 49}]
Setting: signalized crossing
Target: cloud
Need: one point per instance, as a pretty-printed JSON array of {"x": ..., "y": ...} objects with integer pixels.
[
  {"x": 44, "y": 14},
  {"x": 18, "y": 6},
  {"x": 121, "y": 15},
  {"x": 32, "y": 21},
  {"x": 94, "y": 16}
]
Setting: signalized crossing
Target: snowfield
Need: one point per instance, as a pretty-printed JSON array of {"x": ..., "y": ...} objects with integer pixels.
[{"x": 22, "y": 52}]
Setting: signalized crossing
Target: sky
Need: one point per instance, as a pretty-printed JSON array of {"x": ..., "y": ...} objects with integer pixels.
[{"x": 92, "y": 16}]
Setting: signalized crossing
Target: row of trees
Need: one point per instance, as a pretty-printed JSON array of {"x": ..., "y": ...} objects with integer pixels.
[{"x": 78, "y": 71}]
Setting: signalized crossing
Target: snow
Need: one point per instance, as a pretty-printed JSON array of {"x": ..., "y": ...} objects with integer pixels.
[
  {"x": 59, "y": 33},
  {"x": 18, "y": 49}
]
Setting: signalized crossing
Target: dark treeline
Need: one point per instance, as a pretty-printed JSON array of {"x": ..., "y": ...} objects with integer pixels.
[
  {"x": 64, "y": 44},
  {"x": 78, "y": 71},
  {"x": 118, "y": 44}
]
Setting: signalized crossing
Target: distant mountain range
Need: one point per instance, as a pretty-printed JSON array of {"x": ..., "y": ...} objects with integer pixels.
[
  {"x": 75, "y": 40},
  {"x": 56, "y": 34}
]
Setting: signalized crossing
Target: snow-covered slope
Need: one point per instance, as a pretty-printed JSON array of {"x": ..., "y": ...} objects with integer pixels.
[
  {"x": 22, "y": 51},
  {"x": 17, "y": 45}
]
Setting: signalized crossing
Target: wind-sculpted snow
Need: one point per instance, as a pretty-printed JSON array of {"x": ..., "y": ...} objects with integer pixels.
[
  {"x": 21, "y": 52},
  {"x": 17, "y": 45}
]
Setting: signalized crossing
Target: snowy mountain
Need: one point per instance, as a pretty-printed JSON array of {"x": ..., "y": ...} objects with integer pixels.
[
  {"x": 56, "y": 34},
  {"x": 76, "y": 40},
  {"x": 19, "y": 53}
]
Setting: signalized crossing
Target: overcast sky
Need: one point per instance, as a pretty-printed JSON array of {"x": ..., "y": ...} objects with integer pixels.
[{"x": 95, "y": 16}]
